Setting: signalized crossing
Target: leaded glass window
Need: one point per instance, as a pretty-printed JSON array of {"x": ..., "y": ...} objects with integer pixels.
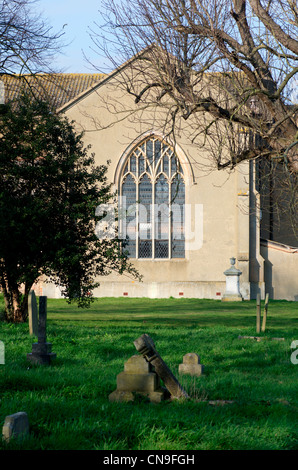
[{"x": 152, "y": 192}]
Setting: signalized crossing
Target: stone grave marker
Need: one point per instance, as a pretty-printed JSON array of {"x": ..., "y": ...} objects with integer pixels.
[
  {"x": 41, "y": 351},
  {"x": 145, "y": 346},
  {"x": 138, "y": 378},
  {"x": 2, "y": 353},
  {"x": 232, "y": 292},
  {"x": 191, "y": 365},
  {"x": 15, "y": 426},
  {"x": 32, "y": 313}
]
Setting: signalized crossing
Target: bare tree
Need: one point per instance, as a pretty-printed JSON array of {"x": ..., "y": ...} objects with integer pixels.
[
  {"x": 255, "y": 49},
  {"x": 27, "y": 43},
  {"x": 228, "y": 68}
]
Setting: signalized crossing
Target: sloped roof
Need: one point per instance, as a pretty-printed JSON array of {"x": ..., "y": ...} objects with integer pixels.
[{"x": 58, "y": 89}]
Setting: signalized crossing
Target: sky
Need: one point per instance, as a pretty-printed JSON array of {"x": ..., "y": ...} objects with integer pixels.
[{"x": 74, "y": 18}]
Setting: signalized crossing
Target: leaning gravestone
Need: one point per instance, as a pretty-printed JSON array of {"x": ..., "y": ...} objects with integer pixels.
[
  {"x": 138, "y": 378},
  {"x": 41, "y": 351},
  {"x": 15, "y": 426},
  {"x": 32, "y": 313},
  {"x": 145, "y": 346}
]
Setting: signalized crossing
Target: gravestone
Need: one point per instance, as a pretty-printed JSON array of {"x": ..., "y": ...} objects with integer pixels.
[
  {"x": 138, "y": 378},
  {"x": 16, "y": 425},
  {"x": 41, "y": 351},
  {"x": 232, "y": 292},
  {"x": 32, "y": 313},
  {"x": 145, "y": 346},
  {"x": 2, "y": 353},
  {"x": 191, "y": 365}
]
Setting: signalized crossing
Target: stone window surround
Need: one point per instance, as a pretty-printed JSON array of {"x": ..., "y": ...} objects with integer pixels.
[{"x": 184, "y": 171}]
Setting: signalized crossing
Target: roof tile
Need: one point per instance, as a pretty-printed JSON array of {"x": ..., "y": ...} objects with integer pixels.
[{"x": 59, "y": 89}]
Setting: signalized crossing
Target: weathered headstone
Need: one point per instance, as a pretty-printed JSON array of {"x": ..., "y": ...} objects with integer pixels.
[
  {"x": 191, "y": 365},
  {"x": 32, "y": 313},
  {"x": 41, "y": 351},
  {"x": 138, "y": 378},
  {"x": 145, "y": 346},
  {"x": 15, "y": 426}
]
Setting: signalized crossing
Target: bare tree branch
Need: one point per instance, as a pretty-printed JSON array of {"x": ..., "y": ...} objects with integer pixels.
[
  {"x": 27, "y": 43},
  {"x": 281, "y": 36}
]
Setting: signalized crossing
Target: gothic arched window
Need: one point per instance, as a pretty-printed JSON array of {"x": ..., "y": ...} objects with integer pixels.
[{"x": 152, "y": 200}]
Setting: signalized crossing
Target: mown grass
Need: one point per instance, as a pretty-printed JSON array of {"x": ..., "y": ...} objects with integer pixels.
[{"x": 67, "y": 403}]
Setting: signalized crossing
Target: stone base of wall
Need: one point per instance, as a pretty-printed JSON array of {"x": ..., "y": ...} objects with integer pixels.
[{"x": 153, "y": 290}]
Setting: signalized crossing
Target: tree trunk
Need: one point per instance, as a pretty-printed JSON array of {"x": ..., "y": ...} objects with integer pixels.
[
  {"x": 16, "y": 305},
  {"x": 13, "y": 307}
]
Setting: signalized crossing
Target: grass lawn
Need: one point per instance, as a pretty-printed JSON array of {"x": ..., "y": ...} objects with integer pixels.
[{"x": 67, "y": 402}]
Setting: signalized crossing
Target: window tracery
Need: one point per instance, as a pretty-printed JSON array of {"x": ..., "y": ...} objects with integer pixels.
[{"x": 152, "y": 191}]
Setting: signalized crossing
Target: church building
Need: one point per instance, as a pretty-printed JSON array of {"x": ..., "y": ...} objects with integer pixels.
[{"x": 181, "y": 224}]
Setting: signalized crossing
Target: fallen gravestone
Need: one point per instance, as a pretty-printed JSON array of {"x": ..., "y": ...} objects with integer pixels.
[
  {"x": 41, "y": 351},
  {"x": 191, "y": 365},
  {"x": 138, "y": 378},
  {"x": 32, "y": 313},
  {"x": 261, "y": 338},
  {"x": 15, "y": 426},
  {"x": 145, "y": 346},
  {"x": 220, "y": 402}
]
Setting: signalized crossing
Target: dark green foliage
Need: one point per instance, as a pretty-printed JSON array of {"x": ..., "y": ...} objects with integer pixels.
[{"x": 50, "y": 188}]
